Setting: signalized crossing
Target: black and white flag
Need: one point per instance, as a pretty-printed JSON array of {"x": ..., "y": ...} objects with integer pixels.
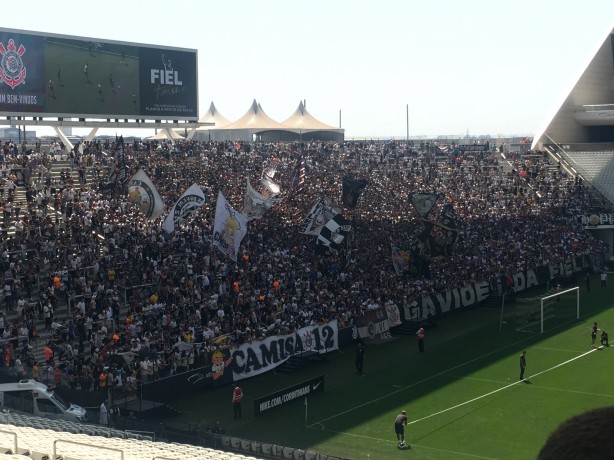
[
  {"x": 423, "y": 202},
  {"x": 143, "y": 193},
  {"x": 320, "y": 213},
  {"x": 332, "y": 235},
  {"x": 192, "y": 199},
  {"x": 298, "y": 178}
]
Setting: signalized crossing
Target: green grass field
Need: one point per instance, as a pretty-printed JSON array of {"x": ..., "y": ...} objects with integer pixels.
[
  {"x": 462, "y": 395},
  {"x": 75, "y": 95}
]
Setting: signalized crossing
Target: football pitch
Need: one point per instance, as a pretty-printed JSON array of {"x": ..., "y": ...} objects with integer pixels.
[{"x": 462, "y": 395}]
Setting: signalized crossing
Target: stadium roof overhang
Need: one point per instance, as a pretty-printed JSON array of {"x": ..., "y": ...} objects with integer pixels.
[
  {"x": 595, "y": 115},
  {"x": 101, "y": 123}
]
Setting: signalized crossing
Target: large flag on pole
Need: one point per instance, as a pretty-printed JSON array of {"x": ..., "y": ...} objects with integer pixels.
[
  {"x": 255, "y": 204},
  {"x": 192, "y": 199},
  {"x": 423, "y": 202},
  {"x": 229, "y": 229},
  {"x": 143, "y": 193},
  {"x": 320, "y": 213},
  {"x": 352, "y": 190},
  {"x": 122, "y": 169},
  {"x": 298, "y": 178}
]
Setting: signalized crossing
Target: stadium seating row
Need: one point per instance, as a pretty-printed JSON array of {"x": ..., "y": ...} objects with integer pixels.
[
  {"x": 38, "y": 438},
  {"x": 272, "y": 450},
  {"x": 33, "y": 441}
]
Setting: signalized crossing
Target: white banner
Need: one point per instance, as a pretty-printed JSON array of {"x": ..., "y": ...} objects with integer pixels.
[
  {"x": 192, "y": 199},
  {"x": 260, "y": 356},
  {"x": 394, "y": 316},
  {"x": 229, "y": 229},
  {"x": 255, "y": 204},
  {"x": 143, "y": 193},
  {"x": 322, "y": 212}
]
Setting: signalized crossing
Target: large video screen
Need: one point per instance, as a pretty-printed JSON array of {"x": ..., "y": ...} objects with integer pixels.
[{"x": 54, "y": 75}]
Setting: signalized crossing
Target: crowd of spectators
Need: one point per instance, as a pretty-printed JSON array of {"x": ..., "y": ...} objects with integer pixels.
[{"x": 169, "y": 297}]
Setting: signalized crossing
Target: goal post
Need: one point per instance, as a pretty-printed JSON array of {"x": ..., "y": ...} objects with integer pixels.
[
  {"x": 559, "y": 293},
  {"x": 542, "y": 312}
]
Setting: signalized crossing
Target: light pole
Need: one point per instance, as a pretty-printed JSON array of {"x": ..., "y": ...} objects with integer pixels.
[{"x": 407, "y": 120}]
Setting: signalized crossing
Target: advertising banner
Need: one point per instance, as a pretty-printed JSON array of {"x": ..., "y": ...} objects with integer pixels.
[
  {"x": 296, "y": 392},
  {"x": 466, "y": 296}
]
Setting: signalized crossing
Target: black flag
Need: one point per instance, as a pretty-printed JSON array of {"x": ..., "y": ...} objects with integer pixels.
[
  {"x": 120, "y": 161},
  {"x": 352, "y": 190}
]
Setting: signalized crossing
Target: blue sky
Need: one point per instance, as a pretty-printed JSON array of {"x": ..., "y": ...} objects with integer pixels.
[{"x": 487, "y": 67}]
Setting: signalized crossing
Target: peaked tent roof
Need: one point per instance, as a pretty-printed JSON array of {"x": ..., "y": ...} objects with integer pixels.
[
  {"x": 163, "y": 134},
  {"x": 213, "y": 116},
  {"x": 256, "y": 119},
  {"x": 303, "y": 120},
  {"x": 586, "y": 104}
]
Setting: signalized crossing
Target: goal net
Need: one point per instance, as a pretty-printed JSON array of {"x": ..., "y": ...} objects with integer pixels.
[{"x": 541, "y": 313}]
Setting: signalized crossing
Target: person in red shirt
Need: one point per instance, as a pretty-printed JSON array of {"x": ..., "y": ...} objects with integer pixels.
[
  {"x": 237, "y": 396},
  {"x": 420, "y": 335}
]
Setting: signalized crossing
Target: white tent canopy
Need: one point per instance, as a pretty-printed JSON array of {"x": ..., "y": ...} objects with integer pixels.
[
  {"x": 255, "y": 119},
  {"x": 213, "y": 116},
  {"x": 165, "y": 134},
  {"x": 301, "y": 119},
  {"x": 256, "y": 124}
]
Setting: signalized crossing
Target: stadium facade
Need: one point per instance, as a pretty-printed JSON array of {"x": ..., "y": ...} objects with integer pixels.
[{"x": 580, "y": 136}]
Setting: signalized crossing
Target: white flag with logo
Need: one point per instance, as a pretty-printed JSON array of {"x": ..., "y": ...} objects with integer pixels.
[
  {"x": 192, "y": 199},
  {"x": 255, "y": 204},
  {"x": 143, "y": 193},
  {"x": 229, "y": 229}
]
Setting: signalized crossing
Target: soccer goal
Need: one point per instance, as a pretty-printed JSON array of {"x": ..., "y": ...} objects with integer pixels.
[{"x": 537, "y": 314}]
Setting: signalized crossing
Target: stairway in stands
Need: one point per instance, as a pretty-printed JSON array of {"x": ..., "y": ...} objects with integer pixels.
[{"x": 61, "y": 311}]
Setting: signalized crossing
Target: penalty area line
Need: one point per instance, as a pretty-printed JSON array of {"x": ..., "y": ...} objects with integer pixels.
[{"x": 502, "y": 388}]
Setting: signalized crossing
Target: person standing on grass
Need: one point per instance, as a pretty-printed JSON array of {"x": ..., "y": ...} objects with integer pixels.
[
  {"x": 604, "y": 279},
  {"x": 420, "y": 335},
  {"x": 594, "y": 331},
  {"x": 523, "y": 364},
  {"x": 360, "y": 357},
  {"x": 399, "y": 428}
]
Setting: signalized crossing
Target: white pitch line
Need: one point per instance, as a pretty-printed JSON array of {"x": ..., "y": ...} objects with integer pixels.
[
  {"x": 556, "y": 349},
  {"x": 460, "y": 377},
  {"x": 411, "y": 444},
  {"x": 320, "y": 422},
  {"x": 500, "y": 389},
  {"x": 564, "y": 390}
]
